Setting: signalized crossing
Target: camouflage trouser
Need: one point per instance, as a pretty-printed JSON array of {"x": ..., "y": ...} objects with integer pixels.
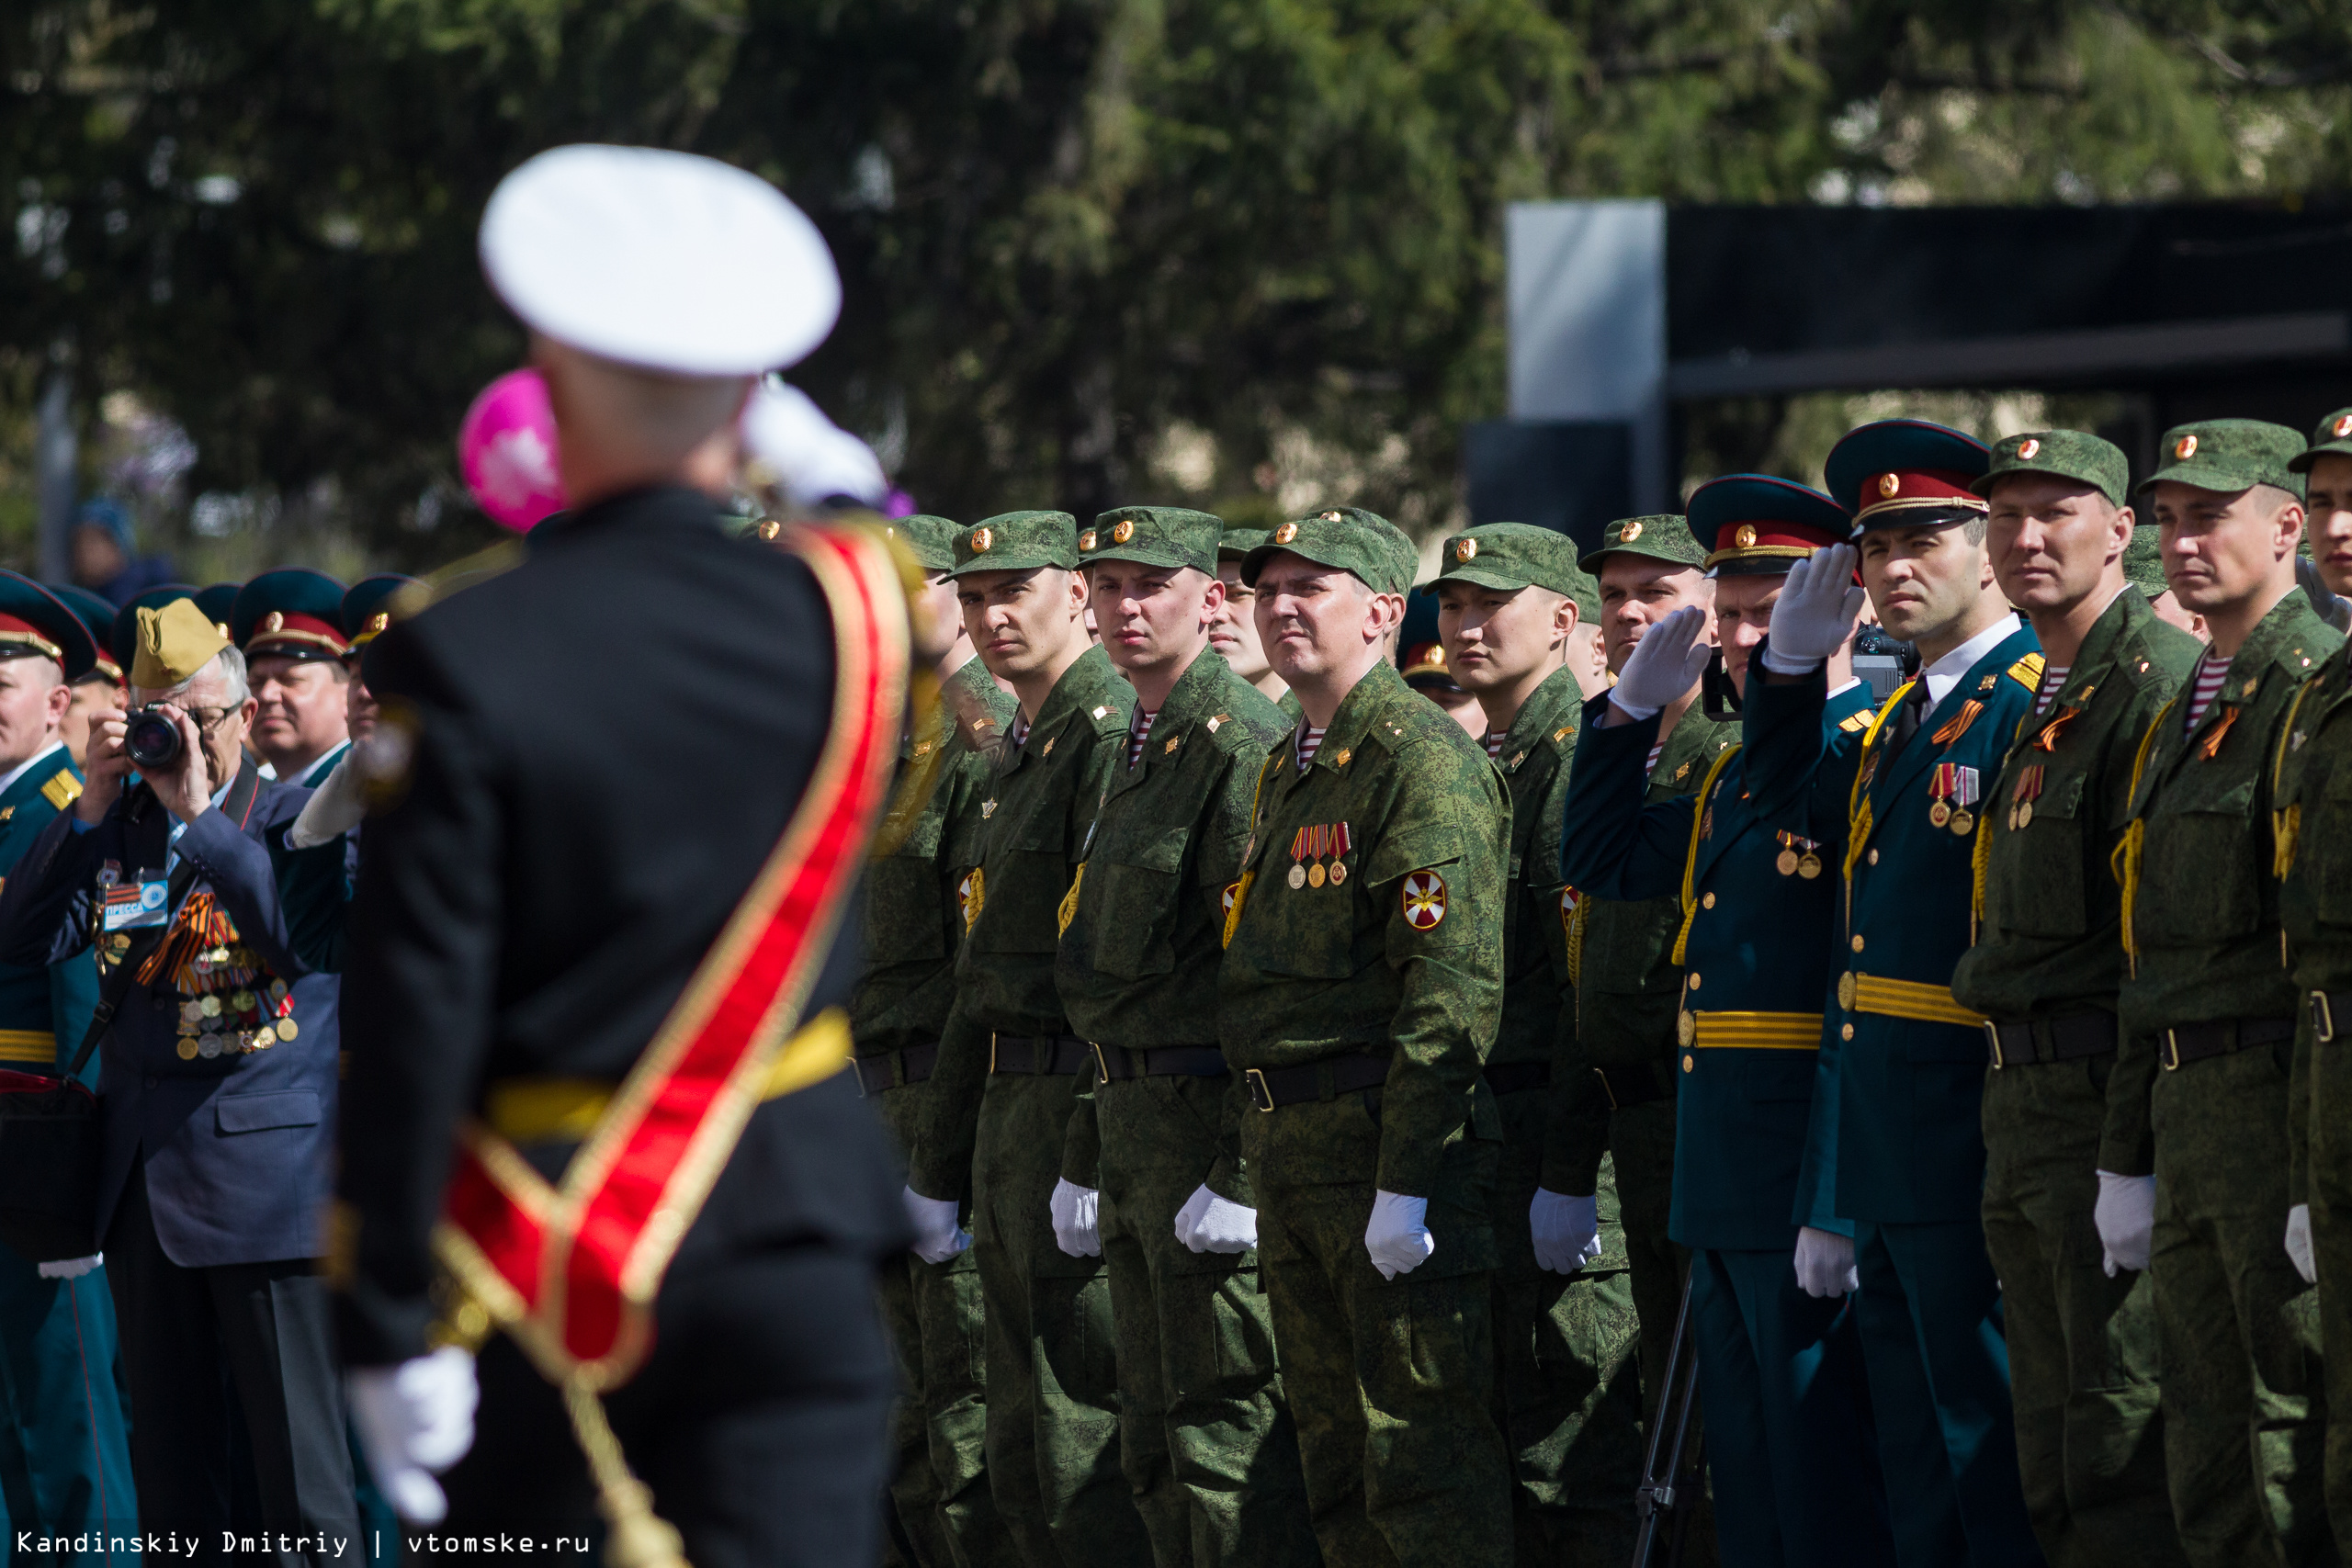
[
  {"x": 2244, "y": 1410},
  {"x": 2082, "y": 1345},
  {"x": 1641, "y": 1147},
  {"x": 1570, "y": 1405},
  {"x": 940, "y": 1492},
  {"x": 1391, "y": 1380},
  {"x": 2329, "y": 1118},
  {"x": 1053, "y": 1400},
  {"x": 1204, "y": 1437}
]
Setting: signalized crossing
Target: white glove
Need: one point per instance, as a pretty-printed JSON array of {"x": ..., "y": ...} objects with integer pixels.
[
  {"x": 1665, "y": 663},
  {"x": 1816, "y": 612},
  {"x": 1074, "y": 1209},
  {"x": 414, "y": 1421},
  {"x": 334, "y": 809},
  {"x": 1398, "y": 1235},
  {"x": 2298, "y": 1243},
  {"x": 72, "y": 1267},
  {"x": 1210, "y": 1223},
  {"x": 937, "y": 1235},
  {"x": 1825, "y": 1263},
  {"x": 2126, "y": 1217},
  {"x": 1566, "y": 1229}
]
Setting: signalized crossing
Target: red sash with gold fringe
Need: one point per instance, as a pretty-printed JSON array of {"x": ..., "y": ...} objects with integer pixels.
[{"x": 571, "y": 1270}]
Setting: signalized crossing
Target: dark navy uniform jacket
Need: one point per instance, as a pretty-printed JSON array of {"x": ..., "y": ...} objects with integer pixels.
[{"x": 44, "y": 1010}]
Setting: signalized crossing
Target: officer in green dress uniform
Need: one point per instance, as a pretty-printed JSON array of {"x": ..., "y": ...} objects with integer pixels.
[
  {"x": 1621, "y": 951},
  {"x": 1508, "y": 611},
  {"x": 290, "y": 624},
  {"x": 1897, "y": 1108},
  {"x": 1205, "y": 1438},
  {"x": 2313, "y": 831},
  {"x": 914, "y": 921},
  {"x": 1780, "y": 1367},
  {"x": 1008, "y": 1083},
  {"x": 2044, "y": 969},
  {"x": 65, "y": 1450},
  {"x": 2195, "y": 1172},
  {"x": 1359, "y": 996}
]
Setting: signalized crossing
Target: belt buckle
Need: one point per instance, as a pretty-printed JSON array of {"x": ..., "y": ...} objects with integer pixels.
[
  {"x": 1993, "y": 1038},
  {"x": 1608, "y": 1088},
  {"x": 1101, "y": 1063},
  {"x": 2322, "y": 1019},
  {"x": 1262, "y": 1094},
  {"x": 2172, "y": 1051}
]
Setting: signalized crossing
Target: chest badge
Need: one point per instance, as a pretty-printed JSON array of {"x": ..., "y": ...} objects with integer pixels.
[{"x": 1422, "y": 900}]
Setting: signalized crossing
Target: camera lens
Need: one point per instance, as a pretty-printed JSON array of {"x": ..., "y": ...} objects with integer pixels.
[{"x": 151, "y": 740}]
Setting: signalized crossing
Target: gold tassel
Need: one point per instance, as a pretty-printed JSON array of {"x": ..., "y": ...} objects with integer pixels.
[
  {"x": 1980, "y": 861},
  {"x": 639, "y": 1538},
  {"x": 1701, "y": 805},
  {"x": 1068, "y": 911},
  {"x": 2286, "y": 827}
]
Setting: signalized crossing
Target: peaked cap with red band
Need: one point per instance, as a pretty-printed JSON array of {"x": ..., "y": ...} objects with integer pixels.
[
  {"x": 35, "y": 622},
  {"x": 1755, "y": 523},
  {"x": 95, "y": 613},
  {"x": 1907, "y": 473},
  {"x": 292, "y": 613}
]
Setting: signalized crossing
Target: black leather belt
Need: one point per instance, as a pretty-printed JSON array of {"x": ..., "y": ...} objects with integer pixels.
[
  {"x": 2195, "y": 1042},
  {"x": 2067, "y": 1039},
  {"x": 1632, "y": 1086},
  {"x": 1272, "y": 1086},
  {"x": 1509, "y": 1077},
  {"x": 2326, "y": 1007},
  {"x": 1120, "y": 1062},
  {"x": 1038, "y": 1054},
  {"x": 876, "y": 1073}
]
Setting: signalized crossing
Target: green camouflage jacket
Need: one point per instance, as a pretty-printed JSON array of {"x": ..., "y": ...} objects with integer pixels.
[
  {"x": 2312, "y": 832},
  {"x": 1143, "y": 936},
  {"x": 913, "y": 920},
  {"x": 1405, "y": 954},
  {"x": 1033, "y": 820}
]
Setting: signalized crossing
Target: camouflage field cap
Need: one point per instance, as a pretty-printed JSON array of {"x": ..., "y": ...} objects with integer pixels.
[
  {"x": 1508, "y": 556},
  {"x": 930, "y": 540},
  {"x": 1346, "y": 539},
  {"x": 1017, "y": 541},
  {"x": 1153, "y": 536},
  {"x": 2228, "y": 455},
  {"x": 2063, "y": 455},
  {"x": 1236, "y": 543},
  {"x": 2331, "y": 436},
  {"x": 1661, "y": 537},
  {"x": 2143, "y": 563}
]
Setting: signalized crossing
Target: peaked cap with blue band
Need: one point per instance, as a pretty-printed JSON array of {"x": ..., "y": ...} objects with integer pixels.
[
  {"x": 1756, "y": 523},
  {"x": 35, "y": 622},
  {"x": 292, "y": 613},
  {"x": 375, "y": 602},
  {"x": 123, "y": 640},
  {"x": 1907, "y": 473},
  {"x": 96, "y": 614}
]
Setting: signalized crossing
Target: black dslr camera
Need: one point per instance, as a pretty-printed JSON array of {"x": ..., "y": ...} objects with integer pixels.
[{"x": 151, "y": 740}]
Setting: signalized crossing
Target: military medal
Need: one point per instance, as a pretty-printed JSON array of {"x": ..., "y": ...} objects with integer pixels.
[
  {"x": 1940, "y": 790},
  {"x": 1342, "y": 841},
  {"x": 2021, "y": 798},
  {"x": 1318, "y": 844},
  {"x": 1298, "y": 858},
  {"x": 1964, "y": 795},
  {"x": 1786, "y": 863}
]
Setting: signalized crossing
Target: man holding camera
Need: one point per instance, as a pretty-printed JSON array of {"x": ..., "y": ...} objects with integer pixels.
[{"x": 216, "y": 1092}]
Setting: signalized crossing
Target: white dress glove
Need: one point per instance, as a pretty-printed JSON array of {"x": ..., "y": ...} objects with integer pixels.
[
  {"x": 334, "y": 809},
  {"x": 1665, "y": 663},
  {"x": 1074, "y": 1209},
  {"x": 937, "y": 1235},
  {"x": 1210, "y": 1223},
  {"x": 72, "y": 1267},
  {"x": 1566, "y": 1229},
  {"x": 1816, "y": 612},
  {"x": 2126, "y": 1217},
  {"x": 1825, "y": 1263},
  {"x": 415, "y": 1420},
  {"x": 2298, "y": 1243},
  {"x": 1398, "y": 1235}
]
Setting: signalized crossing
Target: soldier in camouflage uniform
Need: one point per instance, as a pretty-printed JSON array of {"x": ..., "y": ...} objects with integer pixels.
[
  {"x": 2044, "y": 969},
  {"x": 913, "y": 923},
  {"x": 1509, "y": 612},
  {"x": 2204, "y": 996},
  {"x": 1621, "y": 956},
  {"x": 1204, "y": 1437},
  {"x": 1359, "y": 996},
  {"x": 1007, "y": 1087},
  {"x": 1234, "y": 633},
  {"x": 2312, "y": 827}
]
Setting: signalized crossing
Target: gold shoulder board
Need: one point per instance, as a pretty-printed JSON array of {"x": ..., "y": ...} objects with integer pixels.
[
  {"x": 2027, "y": 671},
  {"x": 63, "y": 789}
]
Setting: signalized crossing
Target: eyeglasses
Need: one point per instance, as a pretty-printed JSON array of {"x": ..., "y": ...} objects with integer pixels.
[{"x": 208, "y": 719}]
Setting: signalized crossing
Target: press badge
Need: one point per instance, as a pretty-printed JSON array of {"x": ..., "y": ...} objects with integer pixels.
[{"x": 132, "y": 904}]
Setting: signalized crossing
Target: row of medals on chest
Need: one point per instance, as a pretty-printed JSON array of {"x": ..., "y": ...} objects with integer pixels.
[{"x": 220, "y": 1021}]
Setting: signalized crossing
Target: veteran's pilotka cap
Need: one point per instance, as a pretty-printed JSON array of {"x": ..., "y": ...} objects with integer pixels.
[
  {"x": 174, "y": 643},
  {"x": 2331, "y": 437},
  {"x": 930, "y": 540},
  {"x": 1167, "y": 536},
  {"x": 2228, "y": 455},
  {"x": 1661, "y": 537},
  {"x": 1017, "y": 541},
  {"x": 1759, "y": 525},
  {"x": 2073, "y": 455},
  {"x": 1508, "y": 556},
  {"x": 1907, "y": 473},
  {"x": 1345, "y": 538}
]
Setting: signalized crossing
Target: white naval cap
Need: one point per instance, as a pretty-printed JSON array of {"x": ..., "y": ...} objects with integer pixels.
[
  {"x": 812, "y": 458},
  {"x": 666, "y": 261}
]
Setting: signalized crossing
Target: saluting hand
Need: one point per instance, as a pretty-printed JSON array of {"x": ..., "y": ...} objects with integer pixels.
[
  {"x": 1665, "y": 664},
  {"x": 1815, "y": 613}
]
